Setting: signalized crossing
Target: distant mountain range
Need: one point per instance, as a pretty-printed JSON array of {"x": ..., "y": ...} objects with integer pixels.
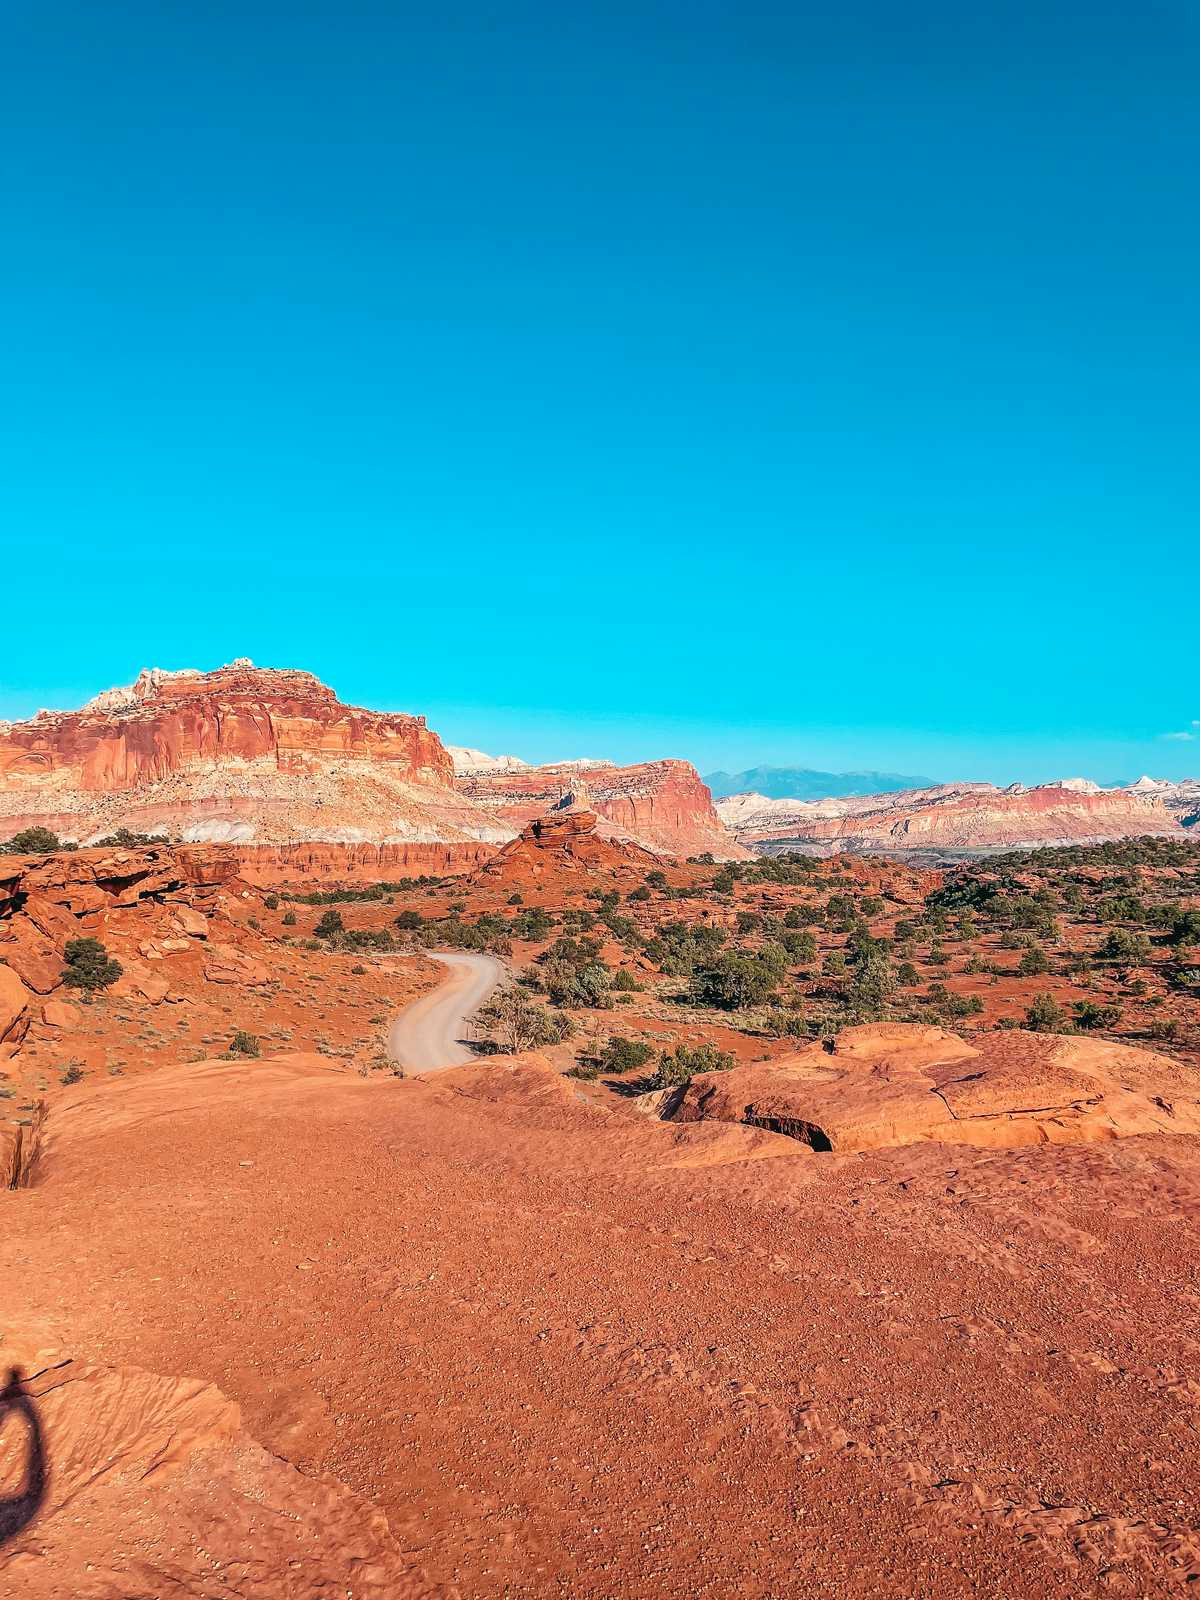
[{"x": 802, "y": 783}]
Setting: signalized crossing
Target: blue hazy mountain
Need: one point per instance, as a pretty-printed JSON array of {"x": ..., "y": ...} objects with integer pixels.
[{"x": 801, "y": 783}]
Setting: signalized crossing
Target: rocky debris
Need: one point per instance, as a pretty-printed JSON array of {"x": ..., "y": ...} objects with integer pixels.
[
  {"x": 949, "y": 817},
  {"x": 225, "y": 964},
  {"x": 662, "y": 805},
  {"x": 892, "y": 1084},
  {"x": 145, "y": 905}
]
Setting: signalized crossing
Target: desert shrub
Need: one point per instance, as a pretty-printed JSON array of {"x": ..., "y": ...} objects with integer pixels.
[
  {"x": 329, "y": 925},
  {"x": 72, "y": 1073},
  {"x": 624, "y": 1055},
  {"x": 88, "y": 966},
  {"x": 1185, "y": 928},
  {"x": 1088, "y": 1014},
  {"x": 35, "y": 841},
  {"x": 409, "y": 921},
  {"x": 656, "y": 879},
  {"x": 516, "y": 899},
  {"x": 800, "y": 945},
  {"x": 1034, "y": 962},
  {"x": 680, "y": 947},
  {"x": 907, "y": 974},
  {"x": 289, "y": 919},
  {"x": 749, "y": 922},
  {"x": 271, "y": 902},
  {"x": 871, "y": 988},
  {"x": 357, "y": 970},
  {"x": 680, "y": 1065},
  {"x": 1045, "y": 1015},
  {"x": 785, "y": 1024},
  {"x": 243, "y": 1044},
  {"x": 734, "y": 981},
  {"x": 533, "y": 925},
  {"x": 513, "y": 1022},
  {"x": 624, "y": 979},
  {"x": 1124, "y": 946}
]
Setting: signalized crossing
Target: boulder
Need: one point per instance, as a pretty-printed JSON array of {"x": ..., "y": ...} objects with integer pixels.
[
  {"x": 140, "y": 982},
  {"x": 191, "y": 921},
  {"x": 30, "y": 954},
  {"x": 60, "y": 1014},
  {"x": 15, "y": 1000},
  {"x": 223, "y": 963}
]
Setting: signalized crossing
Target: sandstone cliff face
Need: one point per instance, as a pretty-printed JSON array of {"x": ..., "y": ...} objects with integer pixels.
[
  {"x": 238, "y": 754},
  {"x": 273, "y": 760},
  {"x": 949, "y": 818},
  {"x": 661, "y": 804}
]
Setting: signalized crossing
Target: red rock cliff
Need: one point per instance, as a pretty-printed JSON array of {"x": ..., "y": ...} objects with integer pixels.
[
  {"x": 240, "y": 754},
  {"x": 662, "y": 804}
]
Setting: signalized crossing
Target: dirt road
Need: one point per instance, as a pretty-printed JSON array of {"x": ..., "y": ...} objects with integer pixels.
[{"x": 428, "y": 1033}]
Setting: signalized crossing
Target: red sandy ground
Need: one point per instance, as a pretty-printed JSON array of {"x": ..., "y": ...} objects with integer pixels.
[{"x": 567, "y": 1350}]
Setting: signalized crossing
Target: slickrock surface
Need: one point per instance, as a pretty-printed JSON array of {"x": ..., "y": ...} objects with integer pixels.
[
  {"x": 563, "y": 1349},
  {"x": 951, "y": 817},
  {"x": 898, "y": 1083}
]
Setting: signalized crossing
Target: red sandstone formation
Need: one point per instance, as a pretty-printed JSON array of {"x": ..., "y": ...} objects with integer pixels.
[
  {"x": 240, "y": 754},
  {"x": 319, "y": 862},
  {"x": 271, "y": 758},
  {"x": 143, "y": 905},
  {"x": 894, "y": 1083},
  {"x": 950, "y": 818},
  {"x": 661, "y": 804},
  {"x": 564, "y": 842}
]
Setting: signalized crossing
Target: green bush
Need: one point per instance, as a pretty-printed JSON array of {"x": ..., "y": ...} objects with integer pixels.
[
  {"x": 1045, "y": 1015},
  {"x": 329, "y": 925},
  {"x": 679, "y": 1066},
  {"x": 624, "y": 1055},
  {"x": 734, "y": 981},
  {"x": 88, "y": 966},
  {"x": 243, "y": 1044},
  {"x": 34, "y": 842}
]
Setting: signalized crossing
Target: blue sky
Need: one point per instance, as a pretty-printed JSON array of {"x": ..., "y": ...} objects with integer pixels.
[{"x": 745, "y": 382}]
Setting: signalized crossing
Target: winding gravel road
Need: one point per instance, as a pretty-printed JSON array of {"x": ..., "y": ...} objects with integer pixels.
[{"x": 427, "y": 1034}]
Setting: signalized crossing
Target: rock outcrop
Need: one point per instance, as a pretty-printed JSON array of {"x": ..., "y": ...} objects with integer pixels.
[
  {"x": 143, "y": 905},
  {"x": 266, "y": 758},
  {"x": 952, "y": 818},
  {"x": 890, "y": 1084},
  {"x": 568, "y": 842},
  {"x": 241, "y": 754},
  {"x": 663, "y": 805}
]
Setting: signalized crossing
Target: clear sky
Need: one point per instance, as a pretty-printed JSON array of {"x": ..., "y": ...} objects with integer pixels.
[{"x": 795, "y": 383}]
